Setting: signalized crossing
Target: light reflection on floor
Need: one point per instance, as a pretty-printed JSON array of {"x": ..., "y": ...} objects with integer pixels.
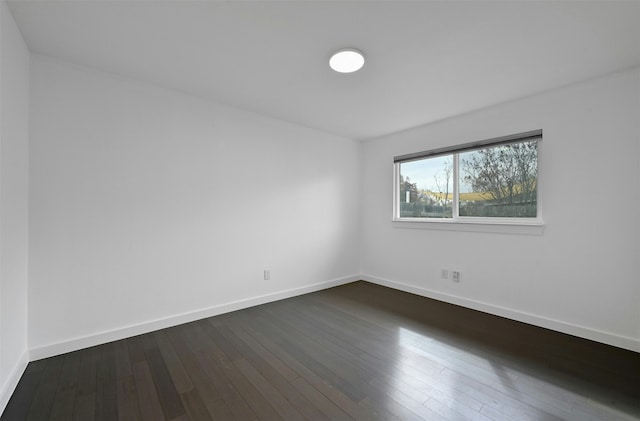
[{"x": 436, "y": 380}]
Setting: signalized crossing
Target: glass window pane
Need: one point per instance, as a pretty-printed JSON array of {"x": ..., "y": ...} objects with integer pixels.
[
  {"x": 426, "y": 188},
  {"x": 499, "y": 181}
]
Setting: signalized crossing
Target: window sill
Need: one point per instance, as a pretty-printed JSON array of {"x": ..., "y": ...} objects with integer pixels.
[{"x": 500, "y": 227}]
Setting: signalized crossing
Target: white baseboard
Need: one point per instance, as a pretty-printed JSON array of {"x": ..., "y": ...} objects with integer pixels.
[
  {"x": 12, "y": 381},
  {"x": 149, "y": 326},
  {"x": 532, "y": 319}
]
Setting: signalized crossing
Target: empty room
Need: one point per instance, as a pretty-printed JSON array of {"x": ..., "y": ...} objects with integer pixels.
[{"x": 320, "y": 210}]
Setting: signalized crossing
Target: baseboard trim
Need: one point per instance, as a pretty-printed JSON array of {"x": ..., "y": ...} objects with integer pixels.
[
  {"x": 75, "y": 344},
  {"x": 12, "y": 381},
  {"x": 619, "y": 341},
  {"x": 149, "y": 326}
]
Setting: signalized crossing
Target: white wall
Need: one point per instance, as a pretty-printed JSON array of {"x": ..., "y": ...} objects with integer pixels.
[
  {"x": 147, "y": 206},
  {"x": 14, "y": 96},
  {"x": 581, "y": 275}
]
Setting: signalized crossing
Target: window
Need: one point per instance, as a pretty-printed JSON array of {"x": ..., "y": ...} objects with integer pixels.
[{"x": 493, "y": 181}]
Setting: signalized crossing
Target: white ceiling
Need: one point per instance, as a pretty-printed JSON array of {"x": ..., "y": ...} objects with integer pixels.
[{"x": 426, "y": 60}]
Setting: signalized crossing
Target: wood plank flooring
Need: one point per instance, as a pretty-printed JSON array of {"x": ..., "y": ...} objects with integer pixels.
[{"x": 359, "y": 351}]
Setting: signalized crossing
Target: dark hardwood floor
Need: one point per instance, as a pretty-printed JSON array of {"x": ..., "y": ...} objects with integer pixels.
[{"x": 359, "y": 351}]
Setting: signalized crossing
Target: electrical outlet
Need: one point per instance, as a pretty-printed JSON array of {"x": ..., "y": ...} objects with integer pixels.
[
  {"x": 444, "y": 273},
  {"x": 456, "y": 276},
  {"x": 267, "y": 274}
]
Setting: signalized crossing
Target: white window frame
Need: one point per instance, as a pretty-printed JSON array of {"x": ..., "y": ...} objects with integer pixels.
[{"x": 457, "y": 222}]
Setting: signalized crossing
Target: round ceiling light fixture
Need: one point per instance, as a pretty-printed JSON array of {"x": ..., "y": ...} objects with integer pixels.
[{"x": 347, "y": 60}]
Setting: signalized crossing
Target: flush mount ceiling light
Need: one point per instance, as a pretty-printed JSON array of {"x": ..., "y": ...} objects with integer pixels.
[{"x": 347, "y": 60}]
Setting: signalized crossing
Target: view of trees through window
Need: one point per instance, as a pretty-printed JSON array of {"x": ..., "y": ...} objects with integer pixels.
[
  {"x": 495, "y": 182},
  {"x": 426, "y": 188}
]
